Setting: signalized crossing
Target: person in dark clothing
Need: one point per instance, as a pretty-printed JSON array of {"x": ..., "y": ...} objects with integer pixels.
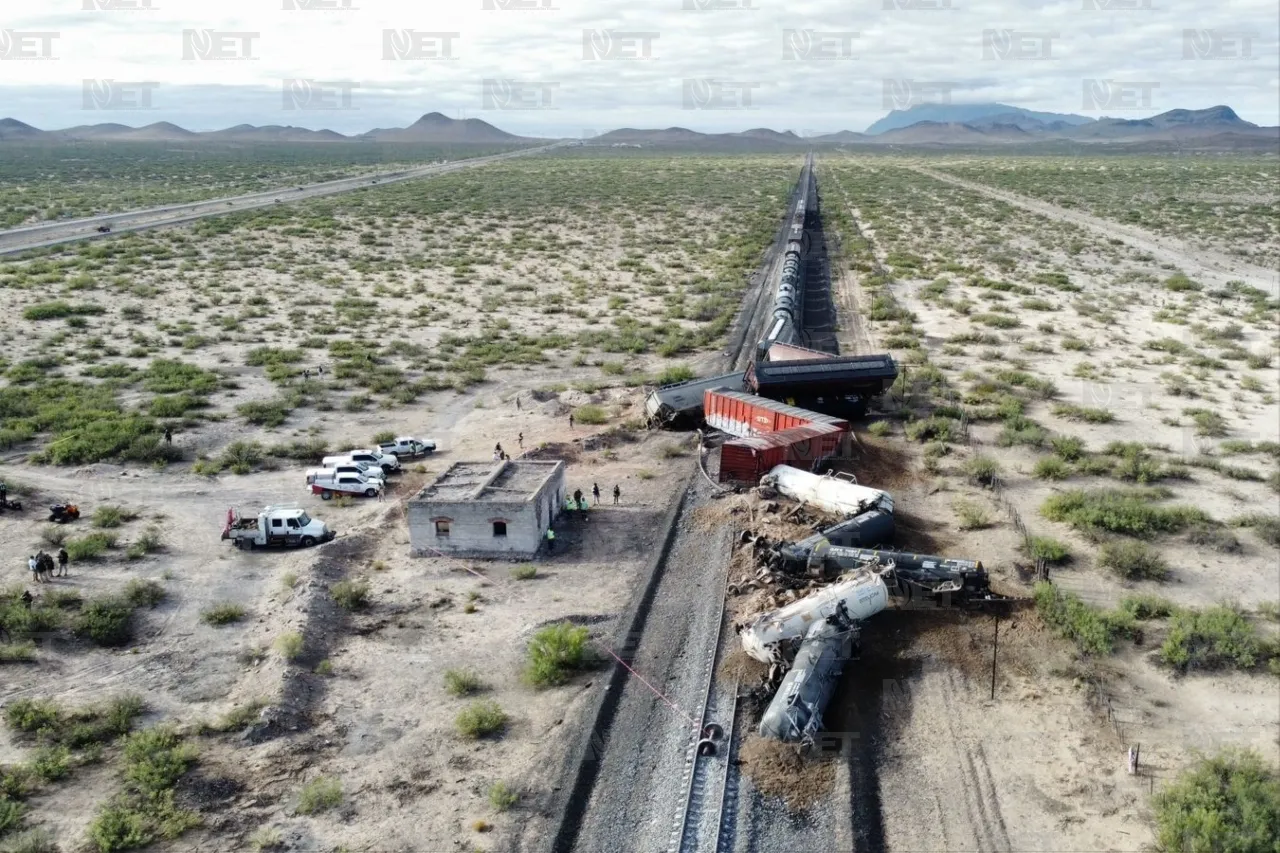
[
  {"x": 570, "y": 421},
  {"x": 4, "y": 494},
  {"x": 595, "y": 492},
  {"x": 27, "y": 598},
  {"x": 617, "y": 493},
  {"x": 577, "y": 496},
  {"x": 168, "y": 435},
  {"x": 520, "y": 441},
  {"x": 63, "y": 558}
]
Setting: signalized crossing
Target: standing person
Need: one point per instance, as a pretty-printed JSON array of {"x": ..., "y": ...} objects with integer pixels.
[
  {"x": 571, "y": 420},
  {"x": 35, "y": 568},
  {"x": 168, "y": 435},
  {"x": 595, "y": 493},
  {"x": 577, "y": 496},
  {"x": 617, "y": 493},
  {"x": 520, "y": 441},
  {"x": 4, "y": 493},
  {"x": 63, "y": 557},
  {"x": 517, "y": 404},
  {"x": 551, "y": 541}
]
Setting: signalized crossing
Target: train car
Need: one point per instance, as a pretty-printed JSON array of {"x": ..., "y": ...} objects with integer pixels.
[
  {"x": 673, "y": 405},
  {"x": 830, "y": 377},
  {"x": 791, "y": 352},
  {"x": 744, "y": 415},
  {"x": 748, "y": 459}
]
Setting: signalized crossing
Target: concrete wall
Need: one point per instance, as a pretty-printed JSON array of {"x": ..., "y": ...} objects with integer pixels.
[{"x": 471, "y": 524}]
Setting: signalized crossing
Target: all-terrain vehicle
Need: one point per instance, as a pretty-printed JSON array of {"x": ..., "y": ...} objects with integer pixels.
[{"x": 62, "y": 513}]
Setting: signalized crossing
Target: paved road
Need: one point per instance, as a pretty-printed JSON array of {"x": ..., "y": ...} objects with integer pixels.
[{"x": 54, "y": 233}]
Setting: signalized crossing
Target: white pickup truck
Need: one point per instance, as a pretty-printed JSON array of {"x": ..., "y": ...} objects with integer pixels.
[
  {"x": 327, "y": 486},
  {"x": 363, "y": 469},
  {"x": 388, "y": 462},
  {"x": 284, "y": 525},
  {"x": 408, "y": 446}
]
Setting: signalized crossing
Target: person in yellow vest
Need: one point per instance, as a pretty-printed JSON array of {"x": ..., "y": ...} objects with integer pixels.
[{"x": 551, "y": 541}]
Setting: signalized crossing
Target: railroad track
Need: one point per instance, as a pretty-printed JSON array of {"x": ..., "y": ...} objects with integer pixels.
[{"x": 708, "y": 816}]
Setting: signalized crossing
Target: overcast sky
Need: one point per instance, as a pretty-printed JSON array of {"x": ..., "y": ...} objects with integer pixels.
[{"x": 575, "y": 67}]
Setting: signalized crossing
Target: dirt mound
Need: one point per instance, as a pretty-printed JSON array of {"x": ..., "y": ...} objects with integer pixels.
[
  {"x": 738, "y": 666},
  {"x": 780, "y": 770},
  {"x": 567, "y": 451},
  {"x": 880, "y": 465}
]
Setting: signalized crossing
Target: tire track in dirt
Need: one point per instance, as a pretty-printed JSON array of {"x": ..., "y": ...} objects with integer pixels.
[
  {"x": 1195, "y": 261},
  {"x": 981, "y": 802}
]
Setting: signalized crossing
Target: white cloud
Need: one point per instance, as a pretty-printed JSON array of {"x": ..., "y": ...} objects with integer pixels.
[{"x": 1117, "y": 40}]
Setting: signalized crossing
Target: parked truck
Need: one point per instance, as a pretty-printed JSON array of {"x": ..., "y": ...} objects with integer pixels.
[
  {"x": 283, "y": 525},
  {"x": 387, "y": 461},
  {"x": 407, "y": 446},
  {"x": 326, "y": 486}
]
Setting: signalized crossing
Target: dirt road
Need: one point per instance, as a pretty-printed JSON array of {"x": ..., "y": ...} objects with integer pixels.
[{"x": 1196, "y": 261}]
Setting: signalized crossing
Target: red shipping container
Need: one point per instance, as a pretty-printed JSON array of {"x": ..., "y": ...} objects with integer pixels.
[
  {"x": 748, "y": 459},
  {"x": 744, "y": 415}
]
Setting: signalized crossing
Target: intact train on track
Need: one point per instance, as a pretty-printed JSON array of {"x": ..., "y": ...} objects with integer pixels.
[{"x": 788, "y": 300}]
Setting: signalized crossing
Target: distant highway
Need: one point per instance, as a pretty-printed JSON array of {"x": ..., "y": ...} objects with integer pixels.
[{"x": 28, "y": 237}]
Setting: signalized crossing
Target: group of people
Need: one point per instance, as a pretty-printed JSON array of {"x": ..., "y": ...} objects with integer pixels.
[
  {"x": 579, "y": 503},
  {"x": 42, "y": 567}
]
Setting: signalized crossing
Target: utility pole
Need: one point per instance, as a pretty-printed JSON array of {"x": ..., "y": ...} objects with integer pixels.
[{"x": 995, "y": 646}]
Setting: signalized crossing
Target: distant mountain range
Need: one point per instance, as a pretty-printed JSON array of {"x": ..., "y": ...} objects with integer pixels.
[
  {"x": 926, "y": 125},
  {"x": 431, "y": 128}
]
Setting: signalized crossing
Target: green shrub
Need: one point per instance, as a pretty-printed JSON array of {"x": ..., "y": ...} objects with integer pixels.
[
  {"x": 932, "y": 429},
  {"x": 1178, "y": 282},
  {"x": 90, "y": 546},
  {"x": 37, "y": 840},
  {"x": 1051, "y": 468},
  {"x": 1227, "y": 802},
  {"x": 266, "y": 838},
  {"x": 555, "y": 652},
  {"x": 1208, "y": 423},
  {"x": 12, "y": 814},
  {"x": 671, "y": 375},
  {"x": 319, "y": 795},
  {"x": 525, "y": 572},
  {"x": 146, "y": 543},
  {"x": 501, "y": 797},
  {"x": 154, "y": 761},
  {"x": 1266, "y": 526},
  {"x": 880, "y": 429},
  {"x": 24, "y": 652},
  {"x": 31, "y": 715},
  {"x": 1020, "y": 430},
  {"x": 1048, "y": 549},
  {"x": 143, "y": 593},
  {"x": 1133, "y": 560},
  {"x": 59, "y": 309},
  {"x": 461, "y": 682},
  {"x": 112, "y": 516},
  {"x": 1212, "y": 638},
  {"x": 289, "y": 645},
  {"x": 982, "y": 470},
  {"x": 1125, "y": 511},
  {"x": 1072, "y": 412},
  {"x": 970, "y": 516},
  {"x": 1147, "y": 606},
  {"x": 1074, "y": 619},
  {"x": 224, "y": 613},
  {"x": 106, "y": 621},
  {"x": 351, "y": 595},
  {"x": 590, "y": 414},
  {"x": 481, "y": 719},
  {"x": 1214, "y": 537},
  {"x": 270, "y": 413},
  {"x": 1068, "y": 447}
]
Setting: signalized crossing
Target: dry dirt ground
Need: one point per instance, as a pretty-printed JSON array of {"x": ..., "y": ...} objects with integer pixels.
[{"x": 381, "y": 722}]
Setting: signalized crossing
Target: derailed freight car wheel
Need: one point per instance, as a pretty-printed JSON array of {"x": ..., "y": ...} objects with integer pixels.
[
  {"x": 712, "y": 731},
  {"x": 706, "y": 746}
]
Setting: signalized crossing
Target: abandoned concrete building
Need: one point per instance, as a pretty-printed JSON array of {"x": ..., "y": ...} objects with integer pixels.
[{"x": 487, "y": 509}]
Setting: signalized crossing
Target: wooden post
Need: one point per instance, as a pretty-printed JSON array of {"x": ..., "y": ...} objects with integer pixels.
[{"x": 995, "y": 646}]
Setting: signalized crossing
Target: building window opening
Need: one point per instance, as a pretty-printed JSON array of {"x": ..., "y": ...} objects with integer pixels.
[
  {"x": 442, "y": 529},
  {"x": 499, "y": 528}
]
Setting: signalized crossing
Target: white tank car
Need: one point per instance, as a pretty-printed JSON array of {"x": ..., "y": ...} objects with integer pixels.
[
  {"x": 859, "y": 597},
  {"x": 828, "y": 492}
]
